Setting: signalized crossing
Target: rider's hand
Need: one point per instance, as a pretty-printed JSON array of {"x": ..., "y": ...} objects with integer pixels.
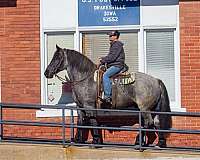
[
  {"x": 100, "y": 59},
  {"x": 99, "y": 62}
]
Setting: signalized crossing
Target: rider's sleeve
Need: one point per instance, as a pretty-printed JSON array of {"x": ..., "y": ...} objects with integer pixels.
[{"x": 113, "y": 53}]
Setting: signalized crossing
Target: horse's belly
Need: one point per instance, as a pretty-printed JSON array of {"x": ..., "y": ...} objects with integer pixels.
[{"x": 123, "y": 96}]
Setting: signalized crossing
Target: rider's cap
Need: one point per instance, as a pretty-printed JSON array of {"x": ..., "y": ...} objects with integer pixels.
[{"x": 114, "y": 33}]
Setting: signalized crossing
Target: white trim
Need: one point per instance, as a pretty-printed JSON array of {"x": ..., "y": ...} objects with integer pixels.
[
  {"x": 45, "y": 65},
  {"x": 76, "y": 40},
  {"x": 42, "y": 56},
  {"x": 77, "y": 34},
  {"x": 177, "y": 106},
  {"x": 141, "y": 38},
  {"x": 172, "y": 26},
  {"x": 104, "y": 28},
  {"x": 70, "y": 29},
  {"x": 81, "y": 42},
  {"x": 145, "y": 47},
  {"x": 141, "y": 51}
]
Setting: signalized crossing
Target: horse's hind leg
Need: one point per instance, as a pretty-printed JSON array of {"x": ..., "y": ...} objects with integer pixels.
[
  {"x": 151, "y": 137},
  {"x": 143, "y": 138},
  {"x": 147, "y": 137},
  {"x": 148, "y": 120},
  {"x": 161, "y": 135},
  {"x": 161, "y": 140}
]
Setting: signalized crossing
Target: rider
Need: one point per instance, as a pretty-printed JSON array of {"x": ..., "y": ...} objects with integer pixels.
[{"x": 115, "y": 62}]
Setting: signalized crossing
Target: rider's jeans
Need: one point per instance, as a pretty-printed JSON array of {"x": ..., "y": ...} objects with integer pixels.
[{"x": 107, "y": 84}]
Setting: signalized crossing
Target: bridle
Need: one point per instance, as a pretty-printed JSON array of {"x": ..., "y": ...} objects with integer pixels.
[{"x": 75, "y": 82}]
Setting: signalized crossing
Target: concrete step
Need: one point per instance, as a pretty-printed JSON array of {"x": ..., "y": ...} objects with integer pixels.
[{"x": 16, "y": 151}]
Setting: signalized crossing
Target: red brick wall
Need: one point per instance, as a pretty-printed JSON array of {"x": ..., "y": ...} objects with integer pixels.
[
  {"x": 190, "y": 72},
  {"x": 20, "y": 59},
  {"x": 19, "y": 36},
  {"x": 190, "y": 54}
]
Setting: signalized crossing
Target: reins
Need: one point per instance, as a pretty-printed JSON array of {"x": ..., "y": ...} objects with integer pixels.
[
  {"x": 73, "y": 83},
  {"x": 63, "y": 80}
]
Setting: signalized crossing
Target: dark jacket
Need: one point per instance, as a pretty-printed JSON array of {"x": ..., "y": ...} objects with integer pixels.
[{"x": 116, "y": 55}]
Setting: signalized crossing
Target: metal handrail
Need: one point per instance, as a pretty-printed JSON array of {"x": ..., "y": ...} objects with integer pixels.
[{"x": 71, "y": 125}]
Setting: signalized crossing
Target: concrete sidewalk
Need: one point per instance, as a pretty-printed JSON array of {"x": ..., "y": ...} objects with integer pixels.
[{"x": 15, "y": 151}]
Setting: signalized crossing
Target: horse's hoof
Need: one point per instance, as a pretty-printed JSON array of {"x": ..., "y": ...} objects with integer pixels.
[
  {"x": 95, "y": 147},
  {"x": 75, "y": 140},
  {"x": 137, "y": 147},
  {"x": 97, "y": 141},
  {"x": 161, "y": 144}
]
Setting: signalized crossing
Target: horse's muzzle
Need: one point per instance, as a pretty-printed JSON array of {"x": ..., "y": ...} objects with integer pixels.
[{"x": 48, "y": 74}]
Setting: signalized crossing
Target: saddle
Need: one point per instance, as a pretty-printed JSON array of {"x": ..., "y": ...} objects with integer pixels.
[{"x": 122, "y": 78}]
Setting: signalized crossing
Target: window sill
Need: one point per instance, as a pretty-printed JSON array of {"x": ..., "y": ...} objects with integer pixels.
[
  {"x": 178, "y": 109},
  {"x": 45, "y": 113}
]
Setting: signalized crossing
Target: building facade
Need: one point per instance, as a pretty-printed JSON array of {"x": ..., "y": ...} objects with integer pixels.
[{"x": 161, "y": 38}]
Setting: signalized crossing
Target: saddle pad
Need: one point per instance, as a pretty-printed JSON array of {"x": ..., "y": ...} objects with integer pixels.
[{"x": 125, "y": 79}]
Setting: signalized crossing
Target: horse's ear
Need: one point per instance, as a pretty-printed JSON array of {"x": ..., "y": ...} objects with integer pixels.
[{"x": 57, "y": 47}]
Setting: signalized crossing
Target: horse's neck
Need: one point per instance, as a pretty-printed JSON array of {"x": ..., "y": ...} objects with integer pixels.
[
  {"x": 69, "y": 75},
  {"x": 78, "y": 76}
]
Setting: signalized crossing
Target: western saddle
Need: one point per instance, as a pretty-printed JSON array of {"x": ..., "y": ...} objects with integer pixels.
[{"x": 122, "y": 78}]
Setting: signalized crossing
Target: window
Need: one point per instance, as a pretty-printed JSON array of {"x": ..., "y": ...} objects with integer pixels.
[
  {"x": 54, "y": 86},
  {"x": 160, "y": 61},
  {"x": 55, "y": 90},
  {"x": 96, "y": 45}
]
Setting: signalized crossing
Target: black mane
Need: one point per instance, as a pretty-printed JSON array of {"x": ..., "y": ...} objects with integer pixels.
[{"x": 79, "y": 61}]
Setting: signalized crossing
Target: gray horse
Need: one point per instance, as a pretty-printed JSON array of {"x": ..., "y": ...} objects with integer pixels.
[{"x": 147, "y": 92}]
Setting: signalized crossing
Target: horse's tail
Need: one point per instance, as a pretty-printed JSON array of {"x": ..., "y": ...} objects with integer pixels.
[{"x": 165, "y": 119}]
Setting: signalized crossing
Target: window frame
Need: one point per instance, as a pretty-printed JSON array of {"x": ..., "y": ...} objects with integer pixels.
[{"x": 174, "y": 105}]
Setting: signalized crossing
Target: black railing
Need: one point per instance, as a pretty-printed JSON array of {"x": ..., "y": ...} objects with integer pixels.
[{"x": 72, "y": 125}]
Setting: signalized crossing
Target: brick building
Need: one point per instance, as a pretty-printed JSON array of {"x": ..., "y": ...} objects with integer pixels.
[{"x": 29, "y": 30}]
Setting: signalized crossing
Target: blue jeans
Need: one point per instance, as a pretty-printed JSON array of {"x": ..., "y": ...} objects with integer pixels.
[{"x": 107, "y": 83}]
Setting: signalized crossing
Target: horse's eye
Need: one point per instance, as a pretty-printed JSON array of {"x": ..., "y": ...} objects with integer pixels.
[{"x": 57, "y": 56}]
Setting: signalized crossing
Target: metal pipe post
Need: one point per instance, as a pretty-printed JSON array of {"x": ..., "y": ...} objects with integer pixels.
[
  {"x": 63, "y": 126},
  {"x": 1, "y": 121},
  {"x": 140, "y": 131},
  {"x": 72, "y": 125}
]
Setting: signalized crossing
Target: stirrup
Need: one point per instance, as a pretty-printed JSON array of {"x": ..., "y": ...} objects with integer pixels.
[{"x": 108, "y": 100}]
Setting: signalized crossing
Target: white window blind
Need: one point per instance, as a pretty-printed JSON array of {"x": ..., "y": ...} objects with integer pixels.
[
  {"x": 96, "y": 45},
  {"x": 160, "y": 57}
]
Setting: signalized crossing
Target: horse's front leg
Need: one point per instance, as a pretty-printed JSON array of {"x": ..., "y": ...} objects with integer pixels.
[
  {"x": 81, "y": 134},
  {"x": 96, "y": 133}
]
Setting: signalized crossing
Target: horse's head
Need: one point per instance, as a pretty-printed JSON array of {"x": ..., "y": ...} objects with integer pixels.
[{"x": 57, "y": 63}]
